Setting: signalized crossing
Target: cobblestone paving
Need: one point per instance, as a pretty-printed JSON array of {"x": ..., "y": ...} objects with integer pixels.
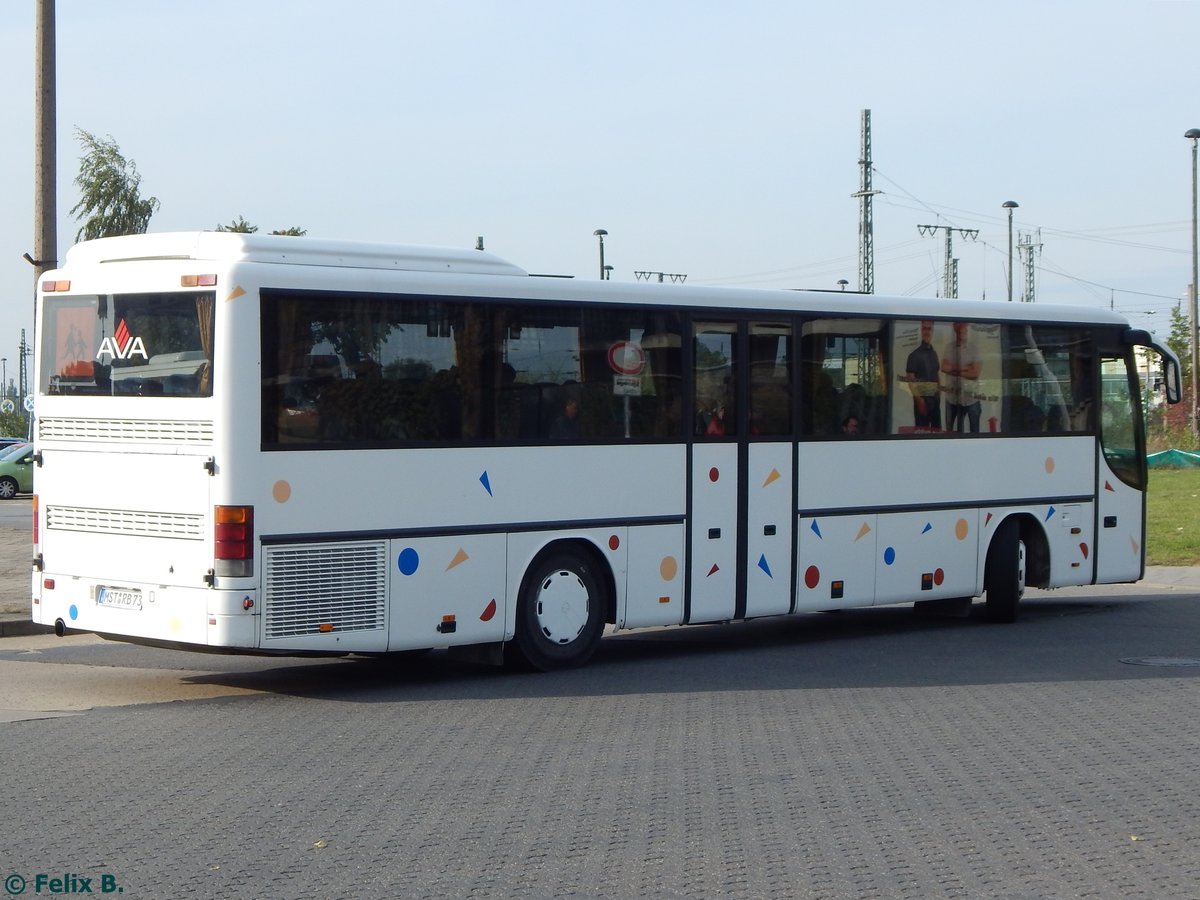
[{"x": 864, "y": 755}]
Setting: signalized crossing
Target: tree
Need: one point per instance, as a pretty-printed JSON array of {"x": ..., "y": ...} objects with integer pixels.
[
  {"x": 241, "y": 226},
  {"x": 110, "y": 203},
  {"x": 15, "y": 423},
  {"x": 1180, "y": 340}
]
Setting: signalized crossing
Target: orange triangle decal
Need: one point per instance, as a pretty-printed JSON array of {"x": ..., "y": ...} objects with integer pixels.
[
  {"x": 774, "y": 476},
  {"x": 459, "y": 558}
]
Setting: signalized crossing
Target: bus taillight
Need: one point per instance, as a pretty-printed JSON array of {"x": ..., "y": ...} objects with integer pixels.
[
  {"x": 36, "y": 531},
  {"x": 233, "y": 549}
]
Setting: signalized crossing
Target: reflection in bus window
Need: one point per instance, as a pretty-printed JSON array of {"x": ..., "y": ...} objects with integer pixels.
[
  {"x": 713, "y": 354},
  {"x": 1047, "y": 385},
  {"x": 137, "y": 345},
  {"x": 396, "y": 370},
  {"x": 844, "y": 375},
  {"x": 770, "y": 379}
]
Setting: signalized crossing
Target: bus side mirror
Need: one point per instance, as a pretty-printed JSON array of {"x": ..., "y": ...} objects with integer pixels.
[{"x": 1172, "y": 379}]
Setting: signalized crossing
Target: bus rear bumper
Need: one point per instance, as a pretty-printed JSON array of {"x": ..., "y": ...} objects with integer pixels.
[{"x": 178, "y": 615}]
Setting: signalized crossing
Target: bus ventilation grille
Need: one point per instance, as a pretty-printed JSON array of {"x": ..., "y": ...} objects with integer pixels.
[
  {"x": 146, "y": 431},
  {"x": 125, "y": 522},
  {"x": 324, "y": 588}
]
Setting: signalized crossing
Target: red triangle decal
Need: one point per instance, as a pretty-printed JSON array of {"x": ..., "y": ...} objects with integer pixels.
[{"x": 714, "y": 569}]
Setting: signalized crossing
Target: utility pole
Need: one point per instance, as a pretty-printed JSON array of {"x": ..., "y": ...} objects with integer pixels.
[
  {"x": 1028, "y": 250},
  {"x": 45, "y": 222},
  {"x": 643, "y": 275},
  {"x": 951, "y": 271},
  {"x": 866, "y": 222}
]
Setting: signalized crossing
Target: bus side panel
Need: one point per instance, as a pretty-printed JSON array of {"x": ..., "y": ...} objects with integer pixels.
[
  {"x": 655, "y": 577},
  {"x": 1069, "y": 531},
  {"x": 1119, "y": 550},
  {"x": 943, "y": 470},
  {"x": 836, "y": 562},
  {"x": 926, "y": 555},
  {"x": 447, "y": 591}
]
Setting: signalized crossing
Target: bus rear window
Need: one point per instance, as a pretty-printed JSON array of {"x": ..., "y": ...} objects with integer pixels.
[{"x": 128, "y": 344}]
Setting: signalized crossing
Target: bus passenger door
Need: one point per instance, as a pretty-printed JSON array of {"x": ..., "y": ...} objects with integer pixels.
[
  {"x": 1121, "y": 485},
  {"x": 713, "y": 550},
  {"x": 770, "y": 470},
  {"x": 742, "y": 475}
]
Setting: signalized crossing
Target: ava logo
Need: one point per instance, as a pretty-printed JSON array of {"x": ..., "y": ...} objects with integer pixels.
[{"x": 122, "y": 345}]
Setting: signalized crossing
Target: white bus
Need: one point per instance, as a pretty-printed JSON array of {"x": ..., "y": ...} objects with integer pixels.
[{"x": 285, "y": 445}]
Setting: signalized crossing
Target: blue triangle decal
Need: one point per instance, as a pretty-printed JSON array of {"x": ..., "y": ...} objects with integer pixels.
[
  {"x": 762, "y": 564},
  {"x": 487, "y": 485},
  {"x": 816, "y": 529}
]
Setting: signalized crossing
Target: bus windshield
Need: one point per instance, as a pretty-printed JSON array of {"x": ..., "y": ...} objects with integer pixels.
[{"x": 128, "y": 344}]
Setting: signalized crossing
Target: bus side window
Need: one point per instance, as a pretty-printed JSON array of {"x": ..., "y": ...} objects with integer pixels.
[
  {"x": 770, "y": 379},
  {"x": 844, "y": 365}
]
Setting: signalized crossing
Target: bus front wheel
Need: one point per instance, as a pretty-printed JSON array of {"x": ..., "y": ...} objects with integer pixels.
[
  {"x": 560, "y": 612},
  {"x": 1004, "y": 573}
]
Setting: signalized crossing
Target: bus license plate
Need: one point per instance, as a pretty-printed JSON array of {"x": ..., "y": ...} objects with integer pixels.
[{"x": 119, "y": 598}]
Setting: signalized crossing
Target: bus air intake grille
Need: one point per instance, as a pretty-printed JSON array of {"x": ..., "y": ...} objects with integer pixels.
[
  {"x": 126, "y": 431},
  {"x": 125, "y": 522},
  {"x": 308, "y": 586}
]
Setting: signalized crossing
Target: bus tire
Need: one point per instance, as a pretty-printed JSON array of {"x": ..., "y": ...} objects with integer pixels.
[
  {"x": 560, "y": 611},
  {"x": 1004, "y": 573}
]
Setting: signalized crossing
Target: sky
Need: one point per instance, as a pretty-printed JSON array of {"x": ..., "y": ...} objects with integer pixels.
[{"x": 716, "y": 140}]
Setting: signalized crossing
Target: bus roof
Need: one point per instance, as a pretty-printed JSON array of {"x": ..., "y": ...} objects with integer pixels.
[
  {"x": 273, "y": 248},
  {"x": 304, "y": 251}
]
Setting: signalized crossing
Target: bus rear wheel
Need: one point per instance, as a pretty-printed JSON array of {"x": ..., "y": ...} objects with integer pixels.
[
  {"x": 560, "y": 611},
  {"x": 1004, "y": 573}
]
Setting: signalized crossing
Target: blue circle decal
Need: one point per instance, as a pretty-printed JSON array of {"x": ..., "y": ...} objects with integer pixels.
[
  {"x": 889, "y": 555},
  {"x": 408, "y": 561},
  {"x": 74, "y": 612}
]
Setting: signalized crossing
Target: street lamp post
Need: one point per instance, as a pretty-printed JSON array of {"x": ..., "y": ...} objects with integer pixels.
[
  {"x": 1193, "y": 134},
  {"x": 1010, "y": 205},
  {"x": 600, "y": 233}
]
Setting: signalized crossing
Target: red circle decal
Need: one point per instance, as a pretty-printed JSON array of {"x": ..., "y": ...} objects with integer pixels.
[{"x": 812, "y": 577}]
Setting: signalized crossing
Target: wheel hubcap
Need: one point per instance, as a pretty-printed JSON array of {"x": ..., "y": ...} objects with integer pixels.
[{"x": 562, "y": 607}]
